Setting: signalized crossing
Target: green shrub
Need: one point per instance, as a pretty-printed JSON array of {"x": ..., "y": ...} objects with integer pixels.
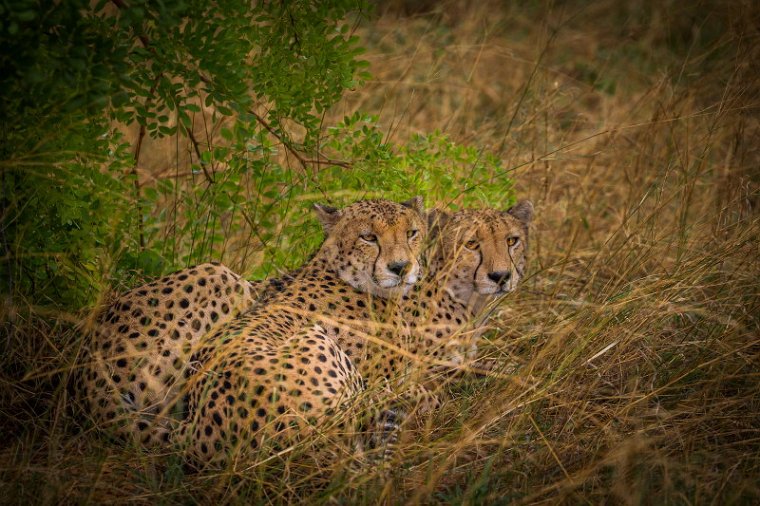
[{"x": 76, "y": 215}]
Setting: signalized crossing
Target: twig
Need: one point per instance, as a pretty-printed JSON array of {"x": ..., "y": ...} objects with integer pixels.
[
  {"x": 293, "y": 150},
  {"x": 138, "y": 149},
  {"x": 285, "y": 142},
  {"x": 197, "y": 150},
  {"x": 141, "y": 134}
]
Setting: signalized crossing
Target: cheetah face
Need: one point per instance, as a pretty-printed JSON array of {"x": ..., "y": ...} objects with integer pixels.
[
  {"x": 482, "y": 251},
  {"x": 375, "y": 246}
]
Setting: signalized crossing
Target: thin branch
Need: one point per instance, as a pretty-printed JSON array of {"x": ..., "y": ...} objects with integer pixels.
[
  {"x": 138, "y": 150},
  {"x": 293, "y": 150},
  {"x": 327, "y": 161},
  {"x": 197, "y": 150},
  {"x": 285, "y": 142}
]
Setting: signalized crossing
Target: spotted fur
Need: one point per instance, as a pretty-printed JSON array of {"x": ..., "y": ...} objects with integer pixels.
[{"x": 134, "y": 360}]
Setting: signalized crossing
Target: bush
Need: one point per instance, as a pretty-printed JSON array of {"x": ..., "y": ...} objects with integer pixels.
[{"x": 255, "y": 81}]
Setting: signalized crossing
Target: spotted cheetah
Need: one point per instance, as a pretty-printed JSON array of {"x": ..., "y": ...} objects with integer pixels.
[
  {"x": 136, "y": 356},
  {"x": 286, "y": 366},
  {"x": 477, "y": 256}
]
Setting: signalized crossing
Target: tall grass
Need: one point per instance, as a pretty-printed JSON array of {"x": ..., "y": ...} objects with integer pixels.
[{"x": 628, "y": 363}]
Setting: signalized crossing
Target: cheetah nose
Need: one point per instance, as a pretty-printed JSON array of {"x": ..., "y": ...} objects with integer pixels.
[
  {"x": 398, "y": 268},
  {"x": 499, "y": 277}
]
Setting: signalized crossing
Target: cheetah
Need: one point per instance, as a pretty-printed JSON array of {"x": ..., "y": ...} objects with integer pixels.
[
  {"x": 282, "y": 368},
  {"x": 475, "y": 257},
  {"x": 133, "y": 359}
]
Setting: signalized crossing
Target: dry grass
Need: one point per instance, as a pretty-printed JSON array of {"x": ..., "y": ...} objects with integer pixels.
[{"x": 631, "y": 354}]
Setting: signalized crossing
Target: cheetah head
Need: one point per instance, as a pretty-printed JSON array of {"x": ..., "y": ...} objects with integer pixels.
[
  {"x": 375, "y": 245},
  {"x": 481, "y": 251}
]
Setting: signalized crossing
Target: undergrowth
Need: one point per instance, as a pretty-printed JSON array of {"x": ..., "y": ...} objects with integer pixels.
[{"x": 627, "y": 360}]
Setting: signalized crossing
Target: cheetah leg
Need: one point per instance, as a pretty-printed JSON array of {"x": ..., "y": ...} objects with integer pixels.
[
  {"x": 385, "y": 430},
  {"x": 384, "y": 434}
]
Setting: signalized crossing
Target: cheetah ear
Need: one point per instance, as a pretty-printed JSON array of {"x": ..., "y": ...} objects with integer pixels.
[
  {"x": 436, "y": 219},
  {"x": 523, "y": 211},
  {"x": 328, "y": 216},
  {"x": 416, "y": 203}
]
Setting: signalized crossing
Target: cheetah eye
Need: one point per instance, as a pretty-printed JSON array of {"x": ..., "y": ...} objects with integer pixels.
[
  {"x": 511, "y": 241},
  {"x": 368, "y": 237},
  {"x": 411, "y": 234},
  {"x": 472, "y": 244}
]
